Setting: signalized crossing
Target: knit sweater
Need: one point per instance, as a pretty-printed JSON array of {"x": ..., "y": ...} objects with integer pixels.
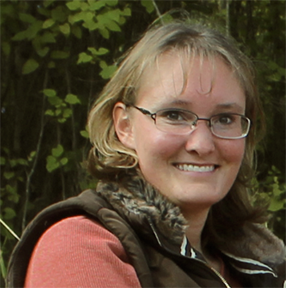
[{"x": 92, "y": 257}]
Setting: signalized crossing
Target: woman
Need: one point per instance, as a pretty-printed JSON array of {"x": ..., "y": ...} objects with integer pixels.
[{"x": 173, "y": 136}]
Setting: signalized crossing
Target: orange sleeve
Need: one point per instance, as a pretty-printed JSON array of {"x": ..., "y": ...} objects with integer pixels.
[{"x": 79, "y": 252}]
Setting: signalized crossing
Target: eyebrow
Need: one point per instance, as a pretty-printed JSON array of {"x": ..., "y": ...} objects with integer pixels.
[
  {"x": 181, "y": 103},
  {"x": 226, "y": 106}
]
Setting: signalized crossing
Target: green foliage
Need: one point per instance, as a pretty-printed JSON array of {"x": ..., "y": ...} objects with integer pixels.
[
  {"x": 272, "y": 190},
  {"x": 56, "y": 159},
  {"x": 57, "y": 56},
  {"x": 148, "y": 5},
  {"x": 60, "y": 108}
]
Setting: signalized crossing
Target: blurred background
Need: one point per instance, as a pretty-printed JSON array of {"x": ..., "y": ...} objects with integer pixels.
[{"x": 56, "y": 57}]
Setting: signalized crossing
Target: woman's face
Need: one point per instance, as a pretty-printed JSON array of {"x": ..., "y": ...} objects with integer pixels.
[{"x": 198, "y": 169}]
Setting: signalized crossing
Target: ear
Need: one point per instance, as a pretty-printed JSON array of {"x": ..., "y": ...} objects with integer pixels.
[{"x": 123, "y": 125}]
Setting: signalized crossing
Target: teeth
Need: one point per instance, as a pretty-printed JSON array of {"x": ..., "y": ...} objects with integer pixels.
[{"x": 195, "y": 168}]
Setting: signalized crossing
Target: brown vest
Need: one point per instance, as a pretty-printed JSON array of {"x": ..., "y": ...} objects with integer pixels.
[{"x": 157, "y": 262}]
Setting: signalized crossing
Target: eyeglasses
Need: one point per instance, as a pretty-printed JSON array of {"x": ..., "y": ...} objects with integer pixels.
[{"x": 181, "y": 122}]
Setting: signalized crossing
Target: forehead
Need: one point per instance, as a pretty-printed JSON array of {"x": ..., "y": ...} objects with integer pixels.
[{"x": 177, "y": 74}]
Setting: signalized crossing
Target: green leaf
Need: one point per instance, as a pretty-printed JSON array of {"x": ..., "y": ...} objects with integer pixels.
[
  {"x": 108, "y": 71},
  {"x": 2, "y": 161},
  {"x": 55, "y": 101},
  {"x": 84, "y": 58},
  {"x": 59, "y": 14},
  {"x": 9, "y": 213},
  {"x": 102, "y": 64},
  {"x": 96, "y": 5},
  {"x": 92, "y": 50},
  {"x": 148, "y": 5},
  {"x": 48, "y": 37},
  {"x": 65, "y": 29},
  {"x": 60, "y": 54},
  {"x": 13, "y": 162},
  {"x": 110, "y": 2},
  {"x": 52, "y": 163},
  {"x": 113, "y": 15},
  {"x": 50, "y": 92},
  {"x": 104, "y": 32},
  {"x": 48, "y": 3},
  {"x": 32, "y": 155},
  {"x": 74, "y": 5},
  {"x": 58, "y": 112},
  {"x": 88, "y": 16},
  {"x": 84, "y": 134},
  {"x": 113, "y": 26},
  {"x": 2, "y": 265},
  {"x": 30, "y": 66},
  {"x": 33, "y": 30},
  {"x": 22, "y": 161},
  {"x": 72, "y": 99},
  {"x": 43, "y": 52},
  {"x": 126, "y": 12},
  {"x": 6, "y": 48},
  {"x": 50, "y": 112},
  {"x": 28, "y": 18},
  {"x": 76, "y": 31},
  {"x": 20, "y": 36},
  {"x": 58, "y": 151},
  {"x": 9, "y": 175},
  {"x": 14, "y": 197},
  {"x": 62, "y": 120},
  {"x": 64, "y": 161},
  {"x": 8, "y": 10},
  {"x": 276, "y": 205},
  {"x": 84, "y": 6},
  {"x": 11, "y": 189},
  {"x": 90, "y": 25},
  {"x": 81, "y": 16},
  {"x": 67, "y": 113},
  {"x": 48, "y": 23},
  {"x": 51, "y": 64},
  {"x": 99, "y": 52},
  {"x": 44, "y": 12}
]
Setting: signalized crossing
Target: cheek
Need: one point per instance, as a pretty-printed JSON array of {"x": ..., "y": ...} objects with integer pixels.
[
  {"x": 157, "y": 145},
  {"x": 233, "y": 151}
]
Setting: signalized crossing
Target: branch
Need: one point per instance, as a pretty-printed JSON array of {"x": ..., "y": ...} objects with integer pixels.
[
  {"x": 227, "y": 18},
  {"x": 158, "y": 12},
  {"x": 29, "y": 176},
  {"x": 9, "y": 229}
]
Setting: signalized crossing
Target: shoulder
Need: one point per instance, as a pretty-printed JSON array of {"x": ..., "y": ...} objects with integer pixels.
[{"x": 78, "y": 251}]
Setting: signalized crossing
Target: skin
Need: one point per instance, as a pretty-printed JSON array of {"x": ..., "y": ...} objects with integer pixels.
[{"x": 210, "y": 89}]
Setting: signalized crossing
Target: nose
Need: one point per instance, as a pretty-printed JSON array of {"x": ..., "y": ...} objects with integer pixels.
[{"x": 201, "y": 140}]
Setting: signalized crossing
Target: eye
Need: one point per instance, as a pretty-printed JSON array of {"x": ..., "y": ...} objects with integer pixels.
[
  {"x": 225, "y": 119},
  {"x": 173, "y": 115}
]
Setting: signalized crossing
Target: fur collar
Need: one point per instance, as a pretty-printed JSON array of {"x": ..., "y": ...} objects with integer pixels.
[{"x": 138, "y": 202}]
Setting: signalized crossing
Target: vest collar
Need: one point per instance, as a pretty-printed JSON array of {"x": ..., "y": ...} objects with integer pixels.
[{"x": 151, "y": 213}]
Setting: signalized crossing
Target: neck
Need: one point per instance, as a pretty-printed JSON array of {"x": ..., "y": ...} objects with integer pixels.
[{"x": 196, "y": 222}]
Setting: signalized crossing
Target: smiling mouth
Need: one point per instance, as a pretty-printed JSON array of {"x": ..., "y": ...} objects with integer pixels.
[{"x": 195, "y": 168}]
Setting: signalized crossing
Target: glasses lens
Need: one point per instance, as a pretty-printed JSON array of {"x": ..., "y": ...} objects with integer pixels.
[
  {"x": 175, "y": 121},
  {"x": 230, "y": 125}
]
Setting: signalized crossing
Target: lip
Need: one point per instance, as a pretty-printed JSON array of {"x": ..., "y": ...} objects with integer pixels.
[{"x": 199, "y": 168}]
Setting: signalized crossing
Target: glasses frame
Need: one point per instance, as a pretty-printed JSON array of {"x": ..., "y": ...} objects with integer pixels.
[{"x": 153, "y": 116}]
